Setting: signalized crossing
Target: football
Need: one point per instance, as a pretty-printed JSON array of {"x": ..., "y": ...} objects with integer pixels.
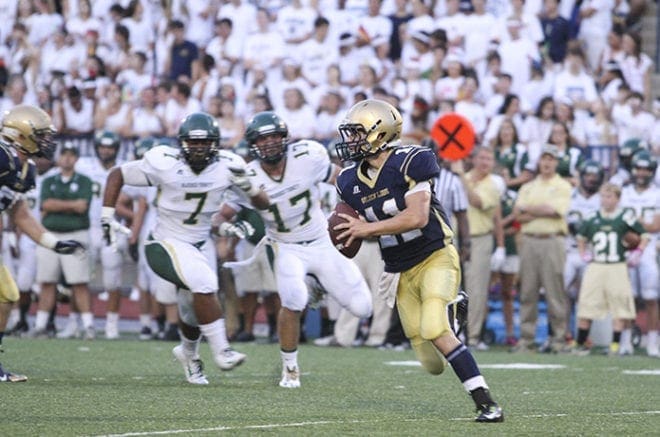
[
  {"x": 631, "y": 240},
  {"x": 333, "y": 220}
]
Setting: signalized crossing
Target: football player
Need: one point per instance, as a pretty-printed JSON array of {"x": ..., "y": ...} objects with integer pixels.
[
  {"x": 192, "y": 181},
  {"x": 626, "y": 153},
  {"x": 97, "y": 168},
  {"x": 642, "y": 199},
  {"x": 26, "y": 132},
  {"x": 390, "y": 185},
  {"x": 585, "y": 201},
  {"x": 296, "y": 229}
]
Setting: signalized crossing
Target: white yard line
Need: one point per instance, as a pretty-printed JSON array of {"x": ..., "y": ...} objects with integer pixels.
[{"x": 333, "y": 422}]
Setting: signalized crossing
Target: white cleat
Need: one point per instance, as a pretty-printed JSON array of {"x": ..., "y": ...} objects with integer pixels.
[
  {"x": 652, "y": 350},
  {"x": 111, "y": 331},
  {"x": 290, "y": 377},
  {"x": 70, "y": 331},
  {"x": 193, "y": 368},
  {"x": 229, "y": 358}
]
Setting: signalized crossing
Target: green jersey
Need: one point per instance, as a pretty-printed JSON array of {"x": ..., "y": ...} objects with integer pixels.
[
  {"x": 254, "y": 218},
  {"x": 606, "y": 235},
  {"x": 76, "y": 188}
]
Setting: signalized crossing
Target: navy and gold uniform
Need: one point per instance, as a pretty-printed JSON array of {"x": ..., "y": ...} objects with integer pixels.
[
  {"x": 15, "y": 177},
  {"x": 383, "y": 196}
]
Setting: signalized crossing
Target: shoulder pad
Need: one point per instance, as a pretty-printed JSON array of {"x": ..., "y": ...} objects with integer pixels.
[
  {"x": 230, "y": 159},
  {"x": 7, "y": 162},
  {"x": 162, "y": 157}
]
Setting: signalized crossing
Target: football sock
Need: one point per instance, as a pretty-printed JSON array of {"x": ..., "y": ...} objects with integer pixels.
[
  {"x": 272, "y": 324},
  {"x": 191, "y": 347},
  {"x": 145, "y": 320},
  {"x": 2, "y": 334},
  {"x": 626, "y": 337},
  {"x": 216, "y": 335},
  {"x": 41, "y": 320},
  {"x": 466, "y": 368},
  {"x": 289, "y": 359},
  {"x": 582, "y": 336},
  {"x": 87, "y": 319},
  {"x": 616, "y": 337},
  {"x": 112, "y": 318}
]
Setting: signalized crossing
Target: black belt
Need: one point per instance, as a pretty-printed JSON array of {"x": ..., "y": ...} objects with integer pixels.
[{"x": 542, "y": 236}]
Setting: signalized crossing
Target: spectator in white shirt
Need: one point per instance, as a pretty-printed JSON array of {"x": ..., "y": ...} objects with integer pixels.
[
  {"x": 454, "y": 23},
  {"x": 518, "y": 54},
  {"x": 574, "y": 84},
  {"x": 330, "y": 114},
  {"x": 540, "y": 85},
  {"x": 609, "y": 82},
  {"x": 179, "y": 106},
  {"x": 317, "y": 53},
  {"x": 295, "y": 23},
  {"x": 469, "y": 108},
  {"x": 243, "y": 15},
  {"x": 265, "y": 47},
  {"x": 637, "y": 66},
  {"x": 510, "y": 110},
  {"x": 537, "y": 127},
  {"x": 447, "y": 87},
  {"x": 373, "y": 31},
  {"x": 43, "y": 23},
  {"x": 201, "y": 15},
  {"x": 298, "y": 115},
  {"x": 595, "y": 24},
  {"x": 634, "y": 121}
]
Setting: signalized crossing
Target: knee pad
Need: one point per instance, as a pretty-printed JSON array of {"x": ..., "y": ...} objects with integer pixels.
[
  {"x": 361, "y": 305},
  {"x": 432, "y": 360},
  {"x": 186, "y": 311}
]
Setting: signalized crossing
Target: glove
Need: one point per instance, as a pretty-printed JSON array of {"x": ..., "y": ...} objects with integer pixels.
[
  {"x": 388, "y": 286},
  {"x": 634, "y": 257},
  {"x": 240, "y": 180},
  {"x": 67, "y": 247},
  {"x": 497, "y": 259},
  {"x": 240, "y": 229},
  {"x": 111, "y": 226}
]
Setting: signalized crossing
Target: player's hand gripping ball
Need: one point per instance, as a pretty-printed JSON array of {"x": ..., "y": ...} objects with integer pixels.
[{"x": 334, "y": 220}]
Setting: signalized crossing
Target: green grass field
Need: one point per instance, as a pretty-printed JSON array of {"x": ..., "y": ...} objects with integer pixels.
[{"x": 136, "y": 388}]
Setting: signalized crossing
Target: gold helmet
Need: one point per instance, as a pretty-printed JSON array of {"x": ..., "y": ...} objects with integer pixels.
[
  {"x": 30, "y": 130},
  {"x": 369, "y": 127}
]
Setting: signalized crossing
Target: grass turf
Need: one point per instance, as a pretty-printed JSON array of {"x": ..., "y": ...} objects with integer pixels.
[{"x": 136, "y": 388}]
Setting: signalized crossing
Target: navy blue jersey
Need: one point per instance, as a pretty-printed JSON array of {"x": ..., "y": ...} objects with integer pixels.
[
  {"x": 15, "y": 177},
  {"x": 383, "y": 197}
]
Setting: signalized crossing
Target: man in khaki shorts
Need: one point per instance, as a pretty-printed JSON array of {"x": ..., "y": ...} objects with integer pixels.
[{"x": 65, "y": 199}]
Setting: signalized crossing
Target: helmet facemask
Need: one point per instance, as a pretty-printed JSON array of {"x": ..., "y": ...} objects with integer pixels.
[
  {"x": 198, "y": 152},
  {"x": 270, "y": 147}
]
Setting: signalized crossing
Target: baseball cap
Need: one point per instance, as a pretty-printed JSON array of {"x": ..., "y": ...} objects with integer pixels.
[
  {"x": 550, "y": 149},
  {"x": 68, "y": 146}
]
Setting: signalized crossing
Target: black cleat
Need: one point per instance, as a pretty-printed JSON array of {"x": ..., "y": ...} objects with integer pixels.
[{"x": 490, "y": 413}]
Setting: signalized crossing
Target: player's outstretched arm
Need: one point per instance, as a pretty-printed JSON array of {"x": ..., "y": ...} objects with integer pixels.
[{"x": 20, "y": 215}]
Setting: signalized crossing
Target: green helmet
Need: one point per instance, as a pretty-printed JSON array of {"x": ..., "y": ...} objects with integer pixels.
[
  {"x": 591, "y": 168},
  {"x": 143, "y": 145},
  {"x": 627, "y": 150},
  {"x": 107, "y": 139},
  {"x": 199, "y": 137},
  {"x": 242, "y": 149},
  {"x": 270, "y": 125},
  {"x": 643, "y": 160}
]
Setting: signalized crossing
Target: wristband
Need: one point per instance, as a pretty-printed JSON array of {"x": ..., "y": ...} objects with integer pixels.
[
  {"x": 48, "y": 240},
  {"x": 107, "y": 212}
]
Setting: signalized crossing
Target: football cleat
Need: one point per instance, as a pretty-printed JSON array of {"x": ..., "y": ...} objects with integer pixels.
[
  {"x": 111, "y": 331},
  {"x": 90, "y": 333},
  {"x": 581, "y": 351},
  {"x": 229, "y": 358},
  {"x": 69, "y": 331},
  {"x": 11, "y": 377},
  {"x": 290, "y": 377},
  {"x": 192, "y": 367},
  {"x": 457, "y": 312},
  {"x": 490, "y": 413},
  {"x": 145, "y": 333}
]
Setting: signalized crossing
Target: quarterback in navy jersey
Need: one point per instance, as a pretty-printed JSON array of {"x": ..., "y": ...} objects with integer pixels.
[
  {"x": 391, "y": 187},
  {"x": 384, "y": 196}
]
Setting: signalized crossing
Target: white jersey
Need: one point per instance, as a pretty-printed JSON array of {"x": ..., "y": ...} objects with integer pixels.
[
  {"x": 91, "y": 167},
  {"x": 295, "y": 213},
  {"x": 187, "y": 200},
  {"x": 580, "y": 209},
  {"x": 645, "y": 204}
]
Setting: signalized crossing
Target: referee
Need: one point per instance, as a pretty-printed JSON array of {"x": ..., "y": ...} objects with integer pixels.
[{"x": 65, "y": 199}]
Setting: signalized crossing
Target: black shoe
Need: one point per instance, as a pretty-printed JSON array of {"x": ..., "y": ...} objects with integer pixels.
[
  {"x": 21, "y": 329},
  {"x": 146, "y": 334},
  {"x": 244, "y": 337},
  {"x": 51, "y": 330},
  {"x": 11, "y": 377},
  {"x": 457, "y": 312},
  {"x": 490, "y": 413}
]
